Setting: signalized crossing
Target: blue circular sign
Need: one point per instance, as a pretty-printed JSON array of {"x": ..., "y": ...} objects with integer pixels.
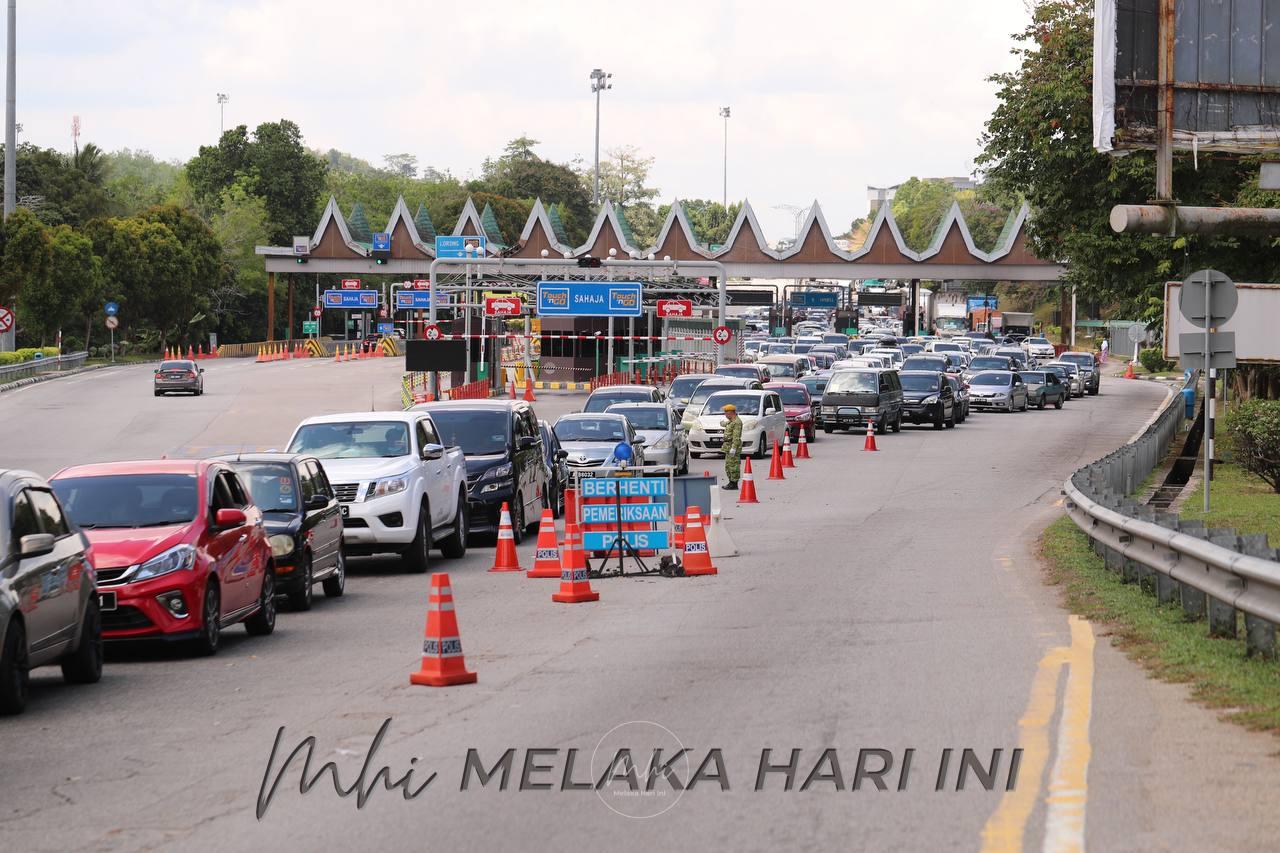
[{"x": 111, "y": 308}]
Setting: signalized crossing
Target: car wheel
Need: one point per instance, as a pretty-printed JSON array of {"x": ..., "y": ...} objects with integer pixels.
[
  {"x": 336, "y": 584},
  {"x": 1024, "y": 405},
  {"x": 159, "y": 393},
  {"x": 300, "y": 599},
  {"x": 1040, "y": 405},
  {"x": 811, "y": 434},
  {"x": 15, "y": 679},
  {"x": 417, "y": 556},
  {"x": 827, "y": 430},
  {"x": 881, "y": 427},
  {"x": 264, "y": 621},
  {"x": 1057, "y": 404},
  {"x": 759, "y": 454},
  {"x": 84, "y": 665},
  {"x": 938, "y": 423},
  {"x": 454, "y": 546},
  {"x": 557, "y": 499},
  {"x": 951, "y": 423},
  {"x": 517, "y": 520},
  {"x": 211, "y": 620},
  {"x": 897, "y": 424}
]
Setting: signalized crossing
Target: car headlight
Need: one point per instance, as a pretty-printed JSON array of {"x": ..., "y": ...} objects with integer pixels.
[
  {"x": 929, "y": 401},
  {"x": 660, "y": 444},
  {"x": 177, "y": 557},
  {"x": 1001, "y": 395},
  {"x": 281, "y": 545},
  {"x": 828, "y": 410},
  {"x": 498, "y": 472},
  {"x": 388, "y": 486}
]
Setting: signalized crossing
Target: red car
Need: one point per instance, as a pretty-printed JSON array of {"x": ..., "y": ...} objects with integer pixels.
[
  {"x": 797, "y": 405},
  {"x": 178, "y": 547}
]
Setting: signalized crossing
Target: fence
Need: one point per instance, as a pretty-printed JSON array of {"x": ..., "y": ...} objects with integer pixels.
[
  {"x": 413, "y": 389},
  {"x": 39, "y": 366},
  {"x": 1212, "y": 573}
]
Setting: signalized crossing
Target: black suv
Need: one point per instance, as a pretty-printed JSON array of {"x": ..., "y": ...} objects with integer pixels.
[
  {"x": 302, "y": 519},
  {"x": 927, "y": 397},
  {"x": 505, "y": 463},
  {"x": 854, "y": 398}
]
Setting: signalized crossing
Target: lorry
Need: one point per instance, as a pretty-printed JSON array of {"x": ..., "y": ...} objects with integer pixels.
[
  {"x": 400, "y": 490},
  {"x": 1018, "y": 324},
  {"x": 947, "y": 314}
]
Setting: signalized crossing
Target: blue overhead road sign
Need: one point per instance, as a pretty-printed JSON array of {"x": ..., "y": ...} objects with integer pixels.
[
  {"x": 456, "y": 247},
  {"x": 382, "y": 242},
  {"x": 589, "y": 298},
  {"x": 815, "y": 298},
  {"x": 418, "y": 299},
  {"x": 350, "y": 299}
]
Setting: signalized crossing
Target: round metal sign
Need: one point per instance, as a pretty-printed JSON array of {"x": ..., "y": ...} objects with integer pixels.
[
  {"x": 316, "y": 312},
  {"x": 6, "y": 319},
  {"x": 1222, "y": 299},
  {"x": 1137, "y": 334},
  {"x": 431, "y": 332},
  {"x": 722, "y": 335},
  {"x": 112, "y": 321}
]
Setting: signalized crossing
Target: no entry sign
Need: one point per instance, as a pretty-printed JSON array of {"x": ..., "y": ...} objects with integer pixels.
[
  {"x": 675, "y": 307},
  {"x": 6, "y": 319}
]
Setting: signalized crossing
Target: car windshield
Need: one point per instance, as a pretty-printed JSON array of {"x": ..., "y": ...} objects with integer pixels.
[
  {"x": 992, "y": 379},
  {"x": 177, "y": 365},
  {"x": 704, "y": 391},
  {"x": 682, "y": 386},
  {"x": 816, "y": 386},
  {"x": 850, "y": 381},
  {"x": 801, "y": 349},
  {"x": 1071, "y": 369},
  {"x": 644, "y": 417},
  {"x": 925, "y": 363},
  {"x": 1039, "y": 342},
  {"x": 598, "y": 401},
  {"x": 989, "y": 363},
  {"x": 1032, "y": 377},
  {"x": 912, "y": 349},
  {"x": 129, "y": 500},
  {"x": 919, "y": 382},
  {"x": 946, "y": 348},
  {"x": 781, "y": 368},
  {"x": 741, "y": 372},
  {"x": 358, "y": 440},
  {"x": 271, "y": 484},
  {"x": 590, "y": 429},
  {"x": 747, "y": 404},
  {"x": 1081, "y": 359},
  {"x": 478, "y": 433},
  {"x": 794, "y": 396}
]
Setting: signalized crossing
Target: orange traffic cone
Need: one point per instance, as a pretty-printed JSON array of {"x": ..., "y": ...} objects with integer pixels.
[
  {"x": 697, "y": 558},
  {"x": 747, "y": 490},
  {"x": 528, "y": 391},
  {"x": 546, "y": 564},
  {"x": 575, "y": 587},
  {"x": 513, "y": 389},
  {"x": 191, "y": 354},
  {"x": 803, "y": 451},
  {"x": 775, "y": 466},
  {"x": 788, "y": 461},
  {"x": 442, "y": 662},
  {"x": 505, "y": 558},
  {"x": 1128, "y": 372},
  {"x": 870, "y": 443}
]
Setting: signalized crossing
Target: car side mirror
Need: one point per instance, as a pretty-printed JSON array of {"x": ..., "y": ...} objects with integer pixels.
[
  {"x": 316, "y": 502},
  {"x": 638, "y": 441},
  {"x": 770, "y": 410},
  {"x": 156, "y": 371},
  {"x": 35, "y": 545},
  {"x": 432, "y": 451},
  {"x": 225, "y": 518},
  {"x": 202, "y": 370},
  {"x": 526, "y": 442}
]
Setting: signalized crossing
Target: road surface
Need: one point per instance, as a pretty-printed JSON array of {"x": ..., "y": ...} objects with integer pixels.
[{"x": 888, "y": 601}]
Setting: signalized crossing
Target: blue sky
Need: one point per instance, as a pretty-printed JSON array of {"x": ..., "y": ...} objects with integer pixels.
[{"x": 826, "y": 97}]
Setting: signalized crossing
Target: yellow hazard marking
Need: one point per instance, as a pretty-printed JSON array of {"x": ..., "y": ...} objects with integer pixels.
[{"x": 1068, "y": 786}]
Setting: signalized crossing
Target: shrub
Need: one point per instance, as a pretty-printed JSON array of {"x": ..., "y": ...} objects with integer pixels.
[
  {"x": 1153, "y": 360},
  {"x": 1253, "y": 432}
]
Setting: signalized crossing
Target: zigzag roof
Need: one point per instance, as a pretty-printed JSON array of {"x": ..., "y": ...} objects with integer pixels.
[{"x": 610, "y": 216}]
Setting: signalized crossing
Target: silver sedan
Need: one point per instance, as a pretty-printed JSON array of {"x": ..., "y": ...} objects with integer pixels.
[{"x": 665, "y": 442}]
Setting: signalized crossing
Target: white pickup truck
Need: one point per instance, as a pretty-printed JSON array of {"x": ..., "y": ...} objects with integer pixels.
[{"x": 400, "y": 490}]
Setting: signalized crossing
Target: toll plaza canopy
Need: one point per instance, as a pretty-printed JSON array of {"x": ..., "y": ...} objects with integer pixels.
[{"x": 745, "y": 253}]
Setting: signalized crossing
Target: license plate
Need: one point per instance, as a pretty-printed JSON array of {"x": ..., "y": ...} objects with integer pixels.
[
  {"x": 346, "y": 510},
  {"x": 106, "y": 601},
  {"x": 714, "y": 442}
]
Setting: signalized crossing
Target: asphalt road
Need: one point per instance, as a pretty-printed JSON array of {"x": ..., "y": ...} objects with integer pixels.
[{"x": 887, "y": 601}]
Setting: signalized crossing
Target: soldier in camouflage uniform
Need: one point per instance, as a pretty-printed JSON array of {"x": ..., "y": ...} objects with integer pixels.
[{"x": 732, "y": 446}]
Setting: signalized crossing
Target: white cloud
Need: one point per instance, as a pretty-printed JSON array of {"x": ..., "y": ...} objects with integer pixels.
[{"x": 827, "y": 97}]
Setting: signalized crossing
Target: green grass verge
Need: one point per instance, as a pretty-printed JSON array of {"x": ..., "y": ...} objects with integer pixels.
[
  {"x": 1159, "y": 638},
  {"x": 1237, "y": 499}
]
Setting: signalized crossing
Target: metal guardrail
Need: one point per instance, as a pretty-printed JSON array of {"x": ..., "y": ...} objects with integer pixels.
[
  {"x": 38, "y": 366},
  {"x": 1211, "y": 572}
]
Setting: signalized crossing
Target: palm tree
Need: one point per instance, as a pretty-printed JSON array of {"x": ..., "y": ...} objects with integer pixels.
[{"x": 92, "y": 163}]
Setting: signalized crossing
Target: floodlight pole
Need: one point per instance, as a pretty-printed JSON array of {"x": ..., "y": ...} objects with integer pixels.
[
  {"x": 10, "y": 108},
  {"x": 599, "y": 82}
]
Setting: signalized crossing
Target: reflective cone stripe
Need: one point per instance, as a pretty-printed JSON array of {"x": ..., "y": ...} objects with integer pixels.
[
  {"x": 870, "y": 443},
  {"x": 575, "y": 586},
  {"x": 803, "y": 451},
  {"x": 505, "y": 558},
  {"x": 697, "y": 557},
  {"x": 775, "y": 466},
  {"x": 442, "y": 661},
  {"x": 787, "y": 460},
  {"x": 546, "y": 564},
  {"x": 747, "y": 489}
]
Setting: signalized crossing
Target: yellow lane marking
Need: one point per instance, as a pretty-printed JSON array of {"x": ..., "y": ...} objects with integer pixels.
[{"x": 1006, "y": 828}]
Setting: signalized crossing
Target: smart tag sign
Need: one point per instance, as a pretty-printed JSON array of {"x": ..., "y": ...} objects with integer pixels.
[{"x": 589, "y": 298}]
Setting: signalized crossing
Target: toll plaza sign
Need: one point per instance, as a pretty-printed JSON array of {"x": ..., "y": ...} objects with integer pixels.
[
  {"x": 350, "y": 299},
  {"x": 589, "y": 299}
]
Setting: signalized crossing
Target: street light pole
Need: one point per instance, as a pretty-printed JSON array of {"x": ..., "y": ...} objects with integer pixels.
[
  {"x": 10, "y": 107},
  {"x": 599, "y": 83},
  {"x": 724, "y": 114},
  {"x": 222, "y": 113}
]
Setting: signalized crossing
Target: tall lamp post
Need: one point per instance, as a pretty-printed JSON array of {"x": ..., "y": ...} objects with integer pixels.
[
  {"x": 599, "y": 83},
  {"x": 724, "y": 114},
  {"x": 222, "y": 113}
]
